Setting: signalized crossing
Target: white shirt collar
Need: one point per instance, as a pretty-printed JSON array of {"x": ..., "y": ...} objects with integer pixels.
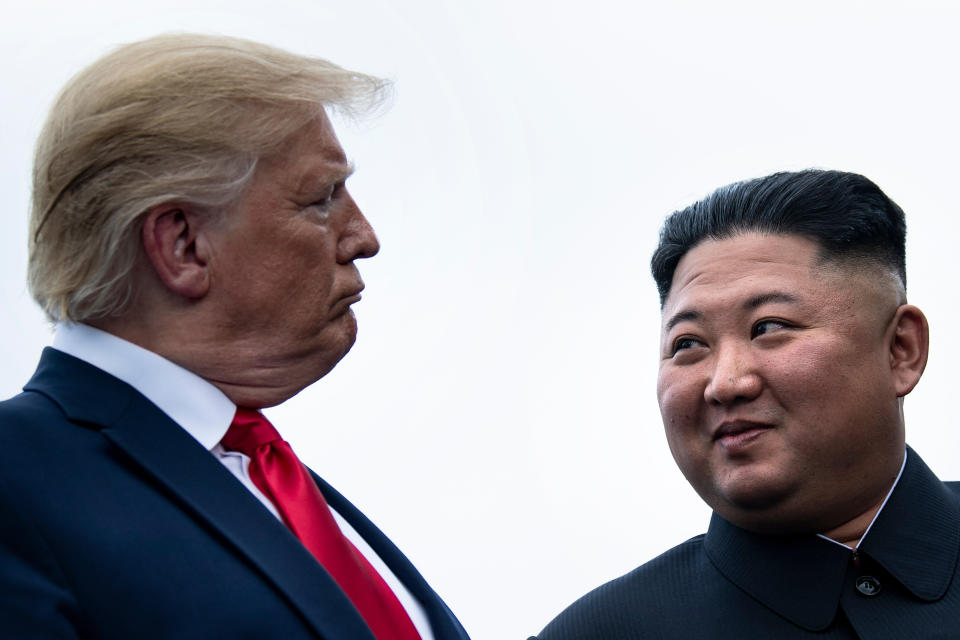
[
  {"x": 200, "y": 408},
  {"x": 205, "y": 413}
]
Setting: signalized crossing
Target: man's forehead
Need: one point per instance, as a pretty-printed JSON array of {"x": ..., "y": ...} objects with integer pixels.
[
  {"x": 732, "y": 278},
  {"x": 739, "y": 274},
  {"x": 311, "y": 157},
  {"x": 747, "y": 255}
]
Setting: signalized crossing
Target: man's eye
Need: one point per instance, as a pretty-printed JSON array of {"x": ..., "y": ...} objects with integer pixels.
[
  {"x": 766, "y": 326},
  {"x": 323, "y": 203},
  {"x": 681, "y": 344}
]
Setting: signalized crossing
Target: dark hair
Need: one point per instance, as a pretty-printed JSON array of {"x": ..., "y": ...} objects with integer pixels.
[{"x": 846, "y": 214}]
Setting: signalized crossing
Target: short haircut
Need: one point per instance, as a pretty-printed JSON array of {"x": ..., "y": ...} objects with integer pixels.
[
  {"x": 175, "y": 118},
  {"x": 845, "y": 214}
]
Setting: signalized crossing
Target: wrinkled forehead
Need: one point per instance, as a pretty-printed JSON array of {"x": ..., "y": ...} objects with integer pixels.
[{"x": 311, "y": 153}]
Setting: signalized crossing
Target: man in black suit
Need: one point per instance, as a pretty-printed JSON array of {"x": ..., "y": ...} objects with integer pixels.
[
  {"x": 787, "y": 347},
  {"x": 193, "y": 238}
]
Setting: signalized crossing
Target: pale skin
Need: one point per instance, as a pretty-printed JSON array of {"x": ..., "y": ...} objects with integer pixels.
[
  {"x": 781, "y": 383},
  {"x": 258, "y": 300}
]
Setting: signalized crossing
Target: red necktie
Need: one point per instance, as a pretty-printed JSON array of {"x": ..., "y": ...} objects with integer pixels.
[{"x": 280, "y": 475}]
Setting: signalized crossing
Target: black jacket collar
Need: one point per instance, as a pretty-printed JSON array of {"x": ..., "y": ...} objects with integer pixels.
[{"x": 916, "y": 538}]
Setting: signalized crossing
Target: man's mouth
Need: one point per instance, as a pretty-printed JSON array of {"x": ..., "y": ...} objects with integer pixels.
[
  {"x": 343, "y": 304},
  {"x": 737, "y": 434}
]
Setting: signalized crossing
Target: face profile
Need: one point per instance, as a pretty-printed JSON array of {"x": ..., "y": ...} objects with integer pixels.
[
  {"x": 779, "y": 381},
  {"x": 284, "y": 259}
]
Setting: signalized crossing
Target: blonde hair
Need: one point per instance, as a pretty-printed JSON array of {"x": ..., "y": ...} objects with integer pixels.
[{"x": 174, "y": 118}]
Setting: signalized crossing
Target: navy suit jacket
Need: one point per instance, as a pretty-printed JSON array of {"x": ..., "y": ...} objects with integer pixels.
[
  {"x": 732, "y": 583},
  {"x": 116, "y": 523}
]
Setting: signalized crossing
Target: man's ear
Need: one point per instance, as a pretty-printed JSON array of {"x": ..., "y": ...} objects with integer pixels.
[
  {"x": 175, "y": 242},
  {"x": 909, "y": 343}
]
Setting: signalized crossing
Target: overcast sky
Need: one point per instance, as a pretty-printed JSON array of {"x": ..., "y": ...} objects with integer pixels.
[{"x": 497, "y": 417}]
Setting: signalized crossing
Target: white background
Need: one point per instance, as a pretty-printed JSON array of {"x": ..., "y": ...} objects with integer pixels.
[{"x": 497, "y": 417}]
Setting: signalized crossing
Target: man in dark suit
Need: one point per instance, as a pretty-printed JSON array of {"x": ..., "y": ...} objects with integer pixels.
[
  {"x": 787, "y": 347},
  {"x": 193, "y": 238}
]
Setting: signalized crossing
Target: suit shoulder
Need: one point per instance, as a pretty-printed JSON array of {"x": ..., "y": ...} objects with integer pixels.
[
  {"x": 28, "y": 407},
  {"x": 954, "y": 487},
  {"x": 623, "y": 607},
  {"x": 36, "y": 435}
]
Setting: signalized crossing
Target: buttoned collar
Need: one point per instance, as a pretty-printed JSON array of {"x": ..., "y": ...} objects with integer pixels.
[
  {"x": 916, "y": 538},
  {"x": 200, "y": 408}
]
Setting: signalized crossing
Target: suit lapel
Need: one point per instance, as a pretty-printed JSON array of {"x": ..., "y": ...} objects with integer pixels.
[
  {"x": 201, "y": 485},
  {"x": 444, "y": 624}
]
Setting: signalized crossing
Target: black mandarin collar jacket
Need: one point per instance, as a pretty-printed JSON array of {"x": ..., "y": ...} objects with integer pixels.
[{"x": 732, "y": 583}]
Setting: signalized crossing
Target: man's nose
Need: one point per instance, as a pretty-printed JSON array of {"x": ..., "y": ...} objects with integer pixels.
[
  {"x": 358, "y": 239},
  {"x": 735, "y": 377}
]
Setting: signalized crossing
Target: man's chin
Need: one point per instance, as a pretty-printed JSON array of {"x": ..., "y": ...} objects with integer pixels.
[
  {"x": 767, "y": 510},
  {"x": 333, "y": 352},
  {"x": 750, "y": 500}
]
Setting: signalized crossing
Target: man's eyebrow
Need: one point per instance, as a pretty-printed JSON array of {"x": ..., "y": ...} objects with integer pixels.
[
  {"x": 682, "y": 316},
  {"x": 314, "y": 180},
  {"x": 766, "y": 298},
  {"x": 752, "y": 303}
]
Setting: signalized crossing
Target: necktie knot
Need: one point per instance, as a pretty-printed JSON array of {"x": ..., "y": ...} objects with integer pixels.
[{"x": 249, "y": 430}]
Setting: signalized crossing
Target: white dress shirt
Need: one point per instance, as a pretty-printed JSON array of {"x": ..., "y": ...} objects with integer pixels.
[{"x": 203, "y": 411}]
